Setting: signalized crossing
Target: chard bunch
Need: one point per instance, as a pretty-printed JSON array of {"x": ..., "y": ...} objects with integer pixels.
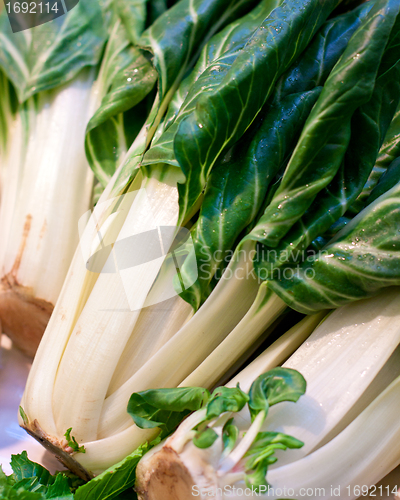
[{"x": 261, "y": 146}]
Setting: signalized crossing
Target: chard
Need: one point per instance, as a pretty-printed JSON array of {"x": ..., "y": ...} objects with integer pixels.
[
  {"x": 46, "y": 182},
  {"x": 358, "y": 341},
  {"x": 79, "y": 357}
]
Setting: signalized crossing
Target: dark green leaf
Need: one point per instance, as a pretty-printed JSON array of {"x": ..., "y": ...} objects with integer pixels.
[
  {"x": 215, "y": 61},
  {"x": 275, "y": 386},
  {"x": 222, "y": 116},
  {"x": 51, "y": 54},
  {"x": 237, "y": 186},
  {"x": 327, "y": 132},
  {"x": 363, "y": 258}
]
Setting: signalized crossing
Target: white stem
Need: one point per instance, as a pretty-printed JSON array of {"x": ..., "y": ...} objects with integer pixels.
[
  {"x": 259, "y": 317},
  {"x": 239, "y": 451},
  {"x": 187, "y": 348},
  {"x": 49, "y": 193},
  {"x": 355, "y": 340},
  {"x": 278, "y": 352},
  {"x": 103, "y": 328}
]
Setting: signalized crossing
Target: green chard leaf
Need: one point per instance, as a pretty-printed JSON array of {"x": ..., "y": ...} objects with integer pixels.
[
  {"x": 53, "y": 53},
  {"x": 273, "y": 387},
  {"x": 321, "y": 148},
  {"x": 133, "y": 14},
  {"x": 126, "y": 78},
  {"x": 215, "y": 61},
  {"x": 363, "y": 258},
  {"x": 175, "y": 40},
  {"x": 388, "y": 180},
  {"x": 368, "y": 128},
  {"x": 223, "y": 115},
  {"x": 238, "y": 184},
  {"x": 165, "y": 408},
  {"x": 389, "y": 151}
]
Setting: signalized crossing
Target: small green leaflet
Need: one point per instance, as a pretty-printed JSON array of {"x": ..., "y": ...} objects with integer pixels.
[
  {"x": 72, "y": 442},
  {"x": 226, "y": 399},
  {"x": 230, "y": 434},
  {"x": 261, "y": 455},
  {"x": 275, "y": 386},
  {"x": 205, "y": 438},
  {"x": 52, "y": 54},
  {"x": 165, "y": 408}
]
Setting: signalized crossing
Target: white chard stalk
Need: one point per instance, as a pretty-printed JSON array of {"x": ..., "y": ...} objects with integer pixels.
[
  {"x": 46, "y": 187},
  {"x": 101, "y": 345},
  {"x": 350, "y": 410}
]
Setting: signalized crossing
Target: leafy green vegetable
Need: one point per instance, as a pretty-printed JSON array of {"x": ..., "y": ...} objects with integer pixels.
[
  {"x": 225, "y": 399},
  {"x": 115, "y": 480},
  {"x": 327, "y": 132},
  {"x": 175, "y": 40},
  {"x": 31, "y": 481},
  {"x": 237, "y": 186},
  {"x": 368, "y": 128},
  {"x": 215, "y": 61},
  {"x": 359, "y": 261},
  {"x": 125, "y": 79},
  {"x": 51, "y": 54},
  {"x": 222, "y": 116}
]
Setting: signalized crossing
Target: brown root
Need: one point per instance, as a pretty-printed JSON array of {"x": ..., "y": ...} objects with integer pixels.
[
  {"x": 163, "y": 475},
  {"x": 23, "y": 316},
  {"x": 58, "y": 448}
]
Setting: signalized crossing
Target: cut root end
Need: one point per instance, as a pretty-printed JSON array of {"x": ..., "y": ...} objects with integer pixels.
[
  {"x": 59, "y": 449},
  {"x": 23, "y": 316},
  {"x": 164, "y": 476}
]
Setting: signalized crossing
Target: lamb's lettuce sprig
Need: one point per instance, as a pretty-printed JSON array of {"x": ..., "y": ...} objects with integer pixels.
[{"x": 251, "y": 452}]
